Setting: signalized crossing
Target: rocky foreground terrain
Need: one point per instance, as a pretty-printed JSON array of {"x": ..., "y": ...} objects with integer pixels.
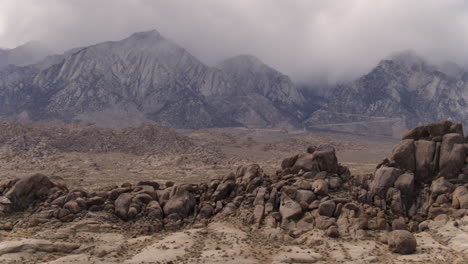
[{"x": 312, "y": 209}]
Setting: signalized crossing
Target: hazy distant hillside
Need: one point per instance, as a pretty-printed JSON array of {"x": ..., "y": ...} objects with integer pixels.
[{"x": 403, "y": 90}]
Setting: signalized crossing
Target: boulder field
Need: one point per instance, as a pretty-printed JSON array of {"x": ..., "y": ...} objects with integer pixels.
[{"x": 425, "y": 178}]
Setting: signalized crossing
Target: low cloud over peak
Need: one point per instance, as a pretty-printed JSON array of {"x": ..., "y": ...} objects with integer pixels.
[{"x": 330, "y": 40}]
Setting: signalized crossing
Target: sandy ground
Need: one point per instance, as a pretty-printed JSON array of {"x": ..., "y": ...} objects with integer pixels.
[
  {"x": 97, "y": 241},
  {"x": 238, "y": 146}
]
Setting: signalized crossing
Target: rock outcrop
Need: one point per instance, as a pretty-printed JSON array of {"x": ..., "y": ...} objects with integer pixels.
[
  {"x": 419, "y": 179},
  {"x": 310, "y": 191}
]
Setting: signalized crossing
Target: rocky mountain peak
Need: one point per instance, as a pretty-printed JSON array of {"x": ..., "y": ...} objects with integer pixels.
[
  {"x": 243, "y": 62},
  {"x": 252, "y": 75},
  {"x": 25, "y": 54},
  {"x": 402, "y": 89},
  {"x": 150, "y": 34},
  {"x": 403, "y": 63}
]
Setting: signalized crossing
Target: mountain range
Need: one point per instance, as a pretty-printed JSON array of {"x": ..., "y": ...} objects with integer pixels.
[
  {"x": 144, "y": 78},
  {"x": 148, "y": 78},
  {"x": 401, "y": 92}
]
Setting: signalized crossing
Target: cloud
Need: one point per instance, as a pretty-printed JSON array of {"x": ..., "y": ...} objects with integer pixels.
[{"x": 331, "y": 40}]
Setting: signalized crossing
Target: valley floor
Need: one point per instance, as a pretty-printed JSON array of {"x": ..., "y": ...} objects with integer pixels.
[{"x": 235, "y": 147}]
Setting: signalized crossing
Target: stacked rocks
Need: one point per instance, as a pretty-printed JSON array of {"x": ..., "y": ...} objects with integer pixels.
[
  {"x": 309, "y": 191},
  {"x": 426, "y": 175}
]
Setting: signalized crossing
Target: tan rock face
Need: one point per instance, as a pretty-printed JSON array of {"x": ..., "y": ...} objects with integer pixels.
[
  {"x": 460, "y": 198},
  {"x": 385, "y": 178},
  {"x": 289, "y": 208},
  {"x": 405, "y": 183},
  {"x": 452, "y": 155},
  {"x": 425, "y": 164}
]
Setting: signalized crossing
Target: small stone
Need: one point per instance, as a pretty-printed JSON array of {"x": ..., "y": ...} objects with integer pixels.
[
  {"x": 335, "y": 182},
  {"x": 333, "y": 231},
  {"x": 423, "y": 226},
  {"x": 320, "y": 187},
  {"x": 311, "y": 149},
  {"x": 399, "y": 224},
  {"x": 73, "y": 207},
  {"x": 327, "y": 208},
  {"x": 381, "y": 224}
]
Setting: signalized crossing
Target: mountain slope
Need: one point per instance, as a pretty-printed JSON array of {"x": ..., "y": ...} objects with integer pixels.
[
  {"x": 262, "y": 95},
  {"x": 145, "y": 72},
  {"x": 404, "y": 87}
]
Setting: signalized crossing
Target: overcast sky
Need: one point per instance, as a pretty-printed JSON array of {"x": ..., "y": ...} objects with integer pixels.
[{"x": 307, "y": 39}]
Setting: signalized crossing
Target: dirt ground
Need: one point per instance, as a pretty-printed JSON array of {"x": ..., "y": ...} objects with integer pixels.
[
  {"x": 237, "y": 146},
  {"x": 96, "y": 241}
]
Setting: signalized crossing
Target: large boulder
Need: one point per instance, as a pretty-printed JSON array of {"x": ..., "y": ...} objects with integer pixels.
[
  {"x": 326, "y": 159},
  {"x": 425, "y": 164},
  {"x": 452, "y": 155},
  {"x": 384, "y": 178},
  {"x": 441, "y": 186},
  {"x": 460, "y": 198},
  {"x": 403, "y": 155},
  {"x": 402, "y": 242},
  {"x": 289, "y": 162},
  {"x": 439, "y": 129},
  {"x": 434, "y": 130},
  {"x": 154, "y": 210},
  {"x": 305, "y": 162},
  {"x": 122, "y": 205},
  {"x": 289, "y": 209},
  {"x": 394, "y": 199},
  {"x": 27, "y": 191},
  {"x": 321, "y": 160},
  {"x": 245, "y": 174},
  {"x": 225, "y": 188},
  {"x": 181, "y": 204},
  {"x": 405, "y": 183}
]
